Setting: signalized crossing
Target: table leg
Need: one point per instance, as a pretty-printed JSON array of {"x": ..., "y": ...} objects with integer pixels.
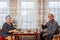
[
  {"x": 37, "y": 38},
  {"x": 16, "y": 37}
]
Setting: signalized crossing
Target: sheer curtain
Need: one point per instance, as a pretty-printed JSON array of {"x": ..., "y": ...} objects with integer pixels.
[
  {"x": 27, "y": 14},
  {"x": 52, "y": 6},
  {"x": 4, "y": 10}
]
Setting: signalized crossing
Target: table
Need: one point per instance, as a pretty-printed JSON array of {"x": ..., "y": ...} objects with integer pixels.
[{"x": 26, "y": 34}]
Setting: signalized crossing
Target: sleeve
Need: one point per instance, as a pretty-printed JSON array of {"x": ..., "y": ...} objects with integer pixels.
[
  {"x": 13, "y": 27},
  {"x": 54, "y": 28},
  {"x": 5, "y": 28},
  {"x": 44, "y": 26}
]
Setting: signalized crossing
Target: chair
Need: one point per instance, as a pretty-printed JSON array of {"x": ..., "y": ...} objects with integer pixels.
[
  {"x": 55, "y": 37},
  {"x": 58, "y": 36},
  {"x": 1, "y": 38}
]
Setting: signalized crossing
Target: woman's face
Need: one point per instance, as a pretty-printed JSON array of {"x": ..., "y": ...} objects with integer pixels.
[{"x": 8, "y": 19}]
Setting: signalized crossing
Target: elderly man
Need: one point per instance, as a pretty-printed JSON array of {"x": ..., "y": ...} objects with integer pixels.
[{"x": 51, "y": 27}]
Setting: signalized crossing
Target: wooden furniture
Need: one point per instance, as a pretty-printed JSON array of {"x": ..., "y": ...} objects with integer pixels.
[
  {"x": 1, "y": 38},
  {"x": 56, "y": 37},
  {"x": 26, "y": 34}
]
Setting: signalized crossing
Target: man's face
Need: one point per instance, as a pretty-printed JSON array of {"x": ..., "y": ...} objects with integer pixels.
[{"x": 50, "y": 17}]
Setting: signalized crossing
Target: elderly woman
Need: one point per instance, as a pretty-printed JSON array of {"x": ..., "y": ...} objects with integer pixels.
[{"x": 7, "y": 29}]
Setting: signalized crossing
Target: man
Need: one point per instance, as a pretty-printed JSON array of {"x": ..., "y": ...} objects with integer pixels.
[{"x": 51, "y": 27}]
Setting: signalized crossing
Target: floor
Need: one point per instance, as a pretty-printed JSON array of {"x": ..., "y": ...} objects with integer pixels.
[{"x": 26, "y": 38}]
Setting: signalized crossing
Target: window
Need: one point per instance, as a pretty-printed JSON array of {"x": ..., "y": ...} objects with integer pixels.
[
  {"x": 3, "y": 5},
  {"x": 28, "y": 15},
  {"x": 54, "y": 7},
  {"x": 4, "y": 11},
  {"x": 27, "y": 5}
]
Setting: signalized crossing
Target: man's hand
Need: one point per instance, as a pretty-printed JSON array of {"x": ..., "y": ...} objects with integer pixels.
[
  {"x": 45, "y": 30},
  {"x": 44, "y": 35}
]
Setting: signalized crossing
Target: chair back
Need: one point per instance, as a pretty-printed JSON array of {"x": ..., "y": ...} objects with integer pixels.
[{"x": 58, "y": 30}]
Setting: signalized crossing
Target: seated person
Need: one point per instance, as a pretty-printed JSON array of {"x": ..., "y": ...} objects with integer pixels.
[
  {"x": 8, "y": 29},
  {"x": 51, "y": 27}
]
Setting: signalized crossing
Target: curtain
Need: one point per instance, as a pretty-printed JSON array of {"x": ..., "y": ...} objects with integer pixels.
[
  {"x": 52, "y": 6},
  {"x": 28, "y": 14},
  {"x": 4, "y": 10}
]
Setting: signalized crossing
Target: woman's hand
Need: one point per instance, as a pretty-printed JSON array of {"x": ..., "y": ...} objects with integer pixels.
[{"x": 12, "y": 31}]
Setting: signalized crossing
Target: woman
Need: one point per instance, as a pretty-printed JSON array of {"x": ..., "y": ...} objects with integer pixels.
[{"x": 8, "y": 29}]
